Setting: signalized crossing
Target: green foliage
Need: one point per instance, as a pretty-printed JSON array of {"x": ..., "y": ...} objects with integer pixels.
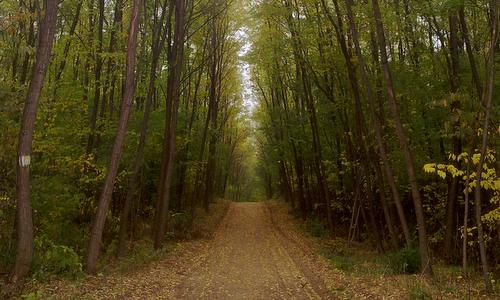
[
  {"x": 490, "y": 181},
  {"x": 342, "y": 258},
  {"x": 7, "y": 213},
  {"x": 344, "y": 263},
  {"x": 315, "y": 227},
  {"x": 405, "y": 261},
  {"x": 419, "y": 292},
  {"x": 51, "y": 259},
  {"x": 259, "y": 146},
  {"x": 33, "y": 295},
  {"x": 180, "y": 224}
]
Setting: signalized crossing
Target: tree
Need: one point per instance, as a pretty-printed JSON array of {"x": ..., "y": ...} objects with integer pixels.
[
  {"x": 128, "y": 95},
  {"x": 487, "y": 100},
  {"x": 158, "y": 41},
  {"x": 176, "y": 60},
  {"x": 403, "y": 141},
  {"x": 24, "y": 253}
]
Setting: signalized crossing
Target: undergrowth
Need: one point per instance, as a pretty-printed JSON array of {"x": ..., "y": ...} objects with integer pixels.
[
  {"x": 54, "y": 262},
  {"x": 315, "y": 227},
  {"x": 405, "y": 261},
  {"x": 395, "y": 274}
]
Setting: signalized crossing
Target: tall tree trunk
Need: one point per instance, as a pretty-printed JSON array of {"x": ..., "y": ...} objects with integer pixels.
[
  {"x": 466, "y": 218},
  {"x": 487, "y": 100},
  {"x": 470, "y": 52},
  {"x": 31, "y": 42},
  {"x": 24, "y": 252},
  {"x": 377, "y": 120},
  {"x": 67, "y": 45},
  {"x": 173, "y": 94},
  {"x": 453, "y": 183},
  {"x": 128, "y": 95},
  {"x": 97, "y": 78},
  {"x": 403, "y": 142},
  {"x": 159, "y": 37},
  {"x": 216, "y": 50}
]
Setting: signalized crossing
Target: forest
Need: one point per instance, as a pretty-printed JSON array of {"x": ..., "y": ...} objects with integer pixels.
[{"x": 125, "y": 123}]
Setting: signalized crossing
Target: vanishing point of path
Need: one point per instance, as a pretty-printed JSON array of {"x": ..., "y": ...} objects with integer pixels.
[{"x": 250, "y": 259}]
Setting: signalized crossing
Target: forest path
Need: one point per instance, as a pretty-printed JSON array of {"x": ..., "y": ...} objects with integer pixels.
[
  {"x": 256, "y": 252},
  {"x": 249, "y": 258}
]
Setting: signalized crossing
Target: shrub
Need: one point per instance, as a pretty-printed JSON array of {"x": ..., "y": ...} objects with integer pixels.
[
  {"x": 316, "y": 227},
  {"x": 341, "y": 258},
  {"x": 418, "y": 292},
  {"x": 405, "y": 261},
  {"x": 54, "y": 259},
  {"x": 181, "y": 225}
]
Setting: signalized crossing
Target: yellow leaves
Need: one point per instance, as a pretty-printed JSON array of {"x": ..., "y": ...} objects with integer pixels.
[
  {"x": 442, "y": 170},
  {"x": 485, "y": 184},
  {"x": 476, "y": 157},
  {"x": 496, "y": 184},
  {"x": 488, "y": 175},
  {"x": 430, "y": 168},
  {"x": 454, "y": 171},
  {"x": 492, "y": 217},
  {"x": 433, "y": 168},
  {"x": 463, "y": 156}
]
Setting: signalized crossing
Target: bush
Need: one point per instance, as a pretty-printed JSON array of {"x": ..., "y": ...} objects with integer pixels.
[
  {"x": 418, "y": 292},
  {"x": 405, "y": 261},
  {"x": 316, "y": 227},
  {"x": 7, "y": 244},
  {"x": 341, "y": 258},
  {"x": 181, "y": 224},
  {"x": 54, "y": 259}
]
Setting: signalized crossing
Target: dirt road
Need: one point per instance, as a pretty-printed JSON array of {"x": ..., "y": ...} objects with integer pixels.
[
  {"x": 250, "y": 259},
  {"x": 256, "y": 252}
]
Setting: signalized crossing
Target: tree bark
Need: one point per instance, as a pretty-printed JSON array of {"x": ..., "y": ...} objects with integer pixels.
[
  {"x": 470, "y": 52},
  {"x": 173, "y": 95},
  {"x": 376, "y": 119},
  {"x": 24, "y": 252},
  {"x": 487, "y": 100},
  {"x": 403, "y": 141},
  {"x": 67, "y": 45},
  {"x": 157, "y": 45},
  {"x": 97, "y": 77},
  {"x": 107, "y": 191},
  {"x": 453, "y": 183}
]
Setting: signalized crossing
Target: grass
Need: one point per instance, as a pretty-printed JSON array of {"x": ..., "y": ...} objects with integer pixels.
[{"x": 419, "y": 292}]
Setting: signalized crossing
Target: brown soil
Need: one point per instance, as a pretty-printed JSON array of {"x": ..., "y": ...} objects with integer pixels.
[
  {"x": 250, "y": 259},
  {"x": 253, "y": 254}
]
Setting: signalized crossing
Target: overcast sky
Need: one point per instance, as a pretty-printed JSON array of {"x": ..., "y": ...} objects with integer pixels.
[{"x": 247, "y": 94}]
